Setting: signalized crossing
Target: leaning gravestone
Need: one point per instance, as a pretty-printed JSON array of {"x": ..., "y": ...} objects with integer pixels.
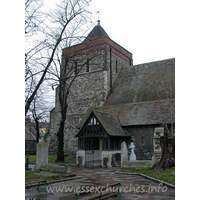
[
  {"x": 41, "y": 154},
  {"x": 124, "y": 153}
]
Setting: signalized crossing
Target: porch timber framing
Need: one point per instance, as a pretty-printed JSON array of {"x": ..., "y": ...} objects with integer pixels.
[{"x": 94, "y": 129}]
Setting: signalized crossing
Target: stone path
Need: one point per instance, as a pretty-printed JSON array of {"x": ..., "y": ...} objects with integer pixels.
[{"x": 133, "y": 186}]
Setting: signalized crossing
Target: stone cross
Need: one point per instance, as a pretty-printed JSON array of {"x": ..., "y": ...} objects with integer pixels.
[{"x": 132, "y": 156}]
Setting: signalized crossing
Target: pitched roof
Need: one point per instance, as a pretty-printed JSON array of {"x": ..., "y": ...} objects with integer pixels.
[
  {"x": 111, "y": 123},
  {"x": 142, "y": 113},
  {"x": 96, "y": 32},
  {"x": 144, "y": 82}
]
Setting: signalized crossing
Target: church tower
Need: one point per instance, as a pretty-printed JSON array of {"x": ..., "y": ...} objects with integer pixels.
[{"x": 96, "y": 61}]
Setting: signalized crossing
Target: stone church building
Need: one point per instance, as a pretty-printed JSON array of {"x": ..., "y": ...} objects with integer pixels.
[
  {"x": 103, "y": 58},
  {"x": 112, "y": 100}
]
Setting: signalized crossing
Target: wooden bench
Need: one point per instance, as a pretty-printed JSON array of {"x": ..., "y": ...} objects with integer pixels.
[
  {"x": 102, "y": 195},
  {"x": 38, "y": 182}
]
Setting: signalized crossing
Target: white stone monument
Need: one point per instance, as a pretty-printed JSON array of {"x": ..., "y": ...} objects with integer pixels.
[
  {"x": 132, "y": 156},
  {"x": 124, "y": 153},
  {"x": 41, "y": 154}
]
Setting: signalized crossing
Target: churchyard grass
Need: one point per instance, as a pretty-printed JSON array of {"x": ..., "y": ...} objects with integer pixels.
[
  {"x": 164, "y": 175},
  {"x": 30, "y": 175},
  {"x": 43, "y": 178},
  {"x": 51, "y": 159}
]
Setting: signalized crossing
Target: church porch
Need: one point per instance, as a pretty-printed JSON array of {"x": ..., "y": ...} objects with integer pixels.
[{"x": 98, "y": 143}]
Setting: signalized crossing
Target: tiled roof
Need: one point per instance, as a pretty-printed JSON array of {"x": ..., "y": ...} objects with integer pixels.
[
  {"x": 144, "y": 82},
  {"x": 96, "y": 32},
  {"x": 142, "y": 113},
  {"x": 111, "y": 123}
]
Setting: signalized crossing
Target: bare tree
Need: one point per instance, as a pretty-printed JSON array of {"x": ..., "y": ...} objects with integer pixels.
[
  {"x": 66, "y": 28},
  {"x": 168, "y": 158},
  {"x": 33, "y": 27},
  {"x": 39, "y": 112},
  {"x": 33, "y": 16},
  {"x": 36, "y": 118},
  {"x": 70, "y": 67},
  {"x": 68, "y": 15}
]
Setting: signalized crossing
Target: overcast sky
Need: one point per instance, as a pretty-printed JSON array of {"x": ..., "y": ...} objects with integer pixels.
[{"x": 145, "y": 28}]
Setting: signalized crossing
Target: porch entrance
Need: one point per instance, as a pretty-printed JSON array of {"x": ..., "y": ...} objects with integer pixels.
[
  {"x": 93, "y": 152},
  {"x": 89, "y": 158},
  {"x": 100, "y": 143}
]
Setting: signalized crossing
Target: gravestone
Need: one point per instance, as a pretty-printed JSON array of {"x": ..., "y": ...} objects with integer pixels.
[
  {"x": 124, "y": 153},
  {"x": 41, "y": 154},
  {"x": 132, "y": 156},
  {"x": 153, "y": 161},
  {"x": 53, "y": 168},
  {"x": 68, "y": 169},
  {"x": 157, "y": 151}
]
